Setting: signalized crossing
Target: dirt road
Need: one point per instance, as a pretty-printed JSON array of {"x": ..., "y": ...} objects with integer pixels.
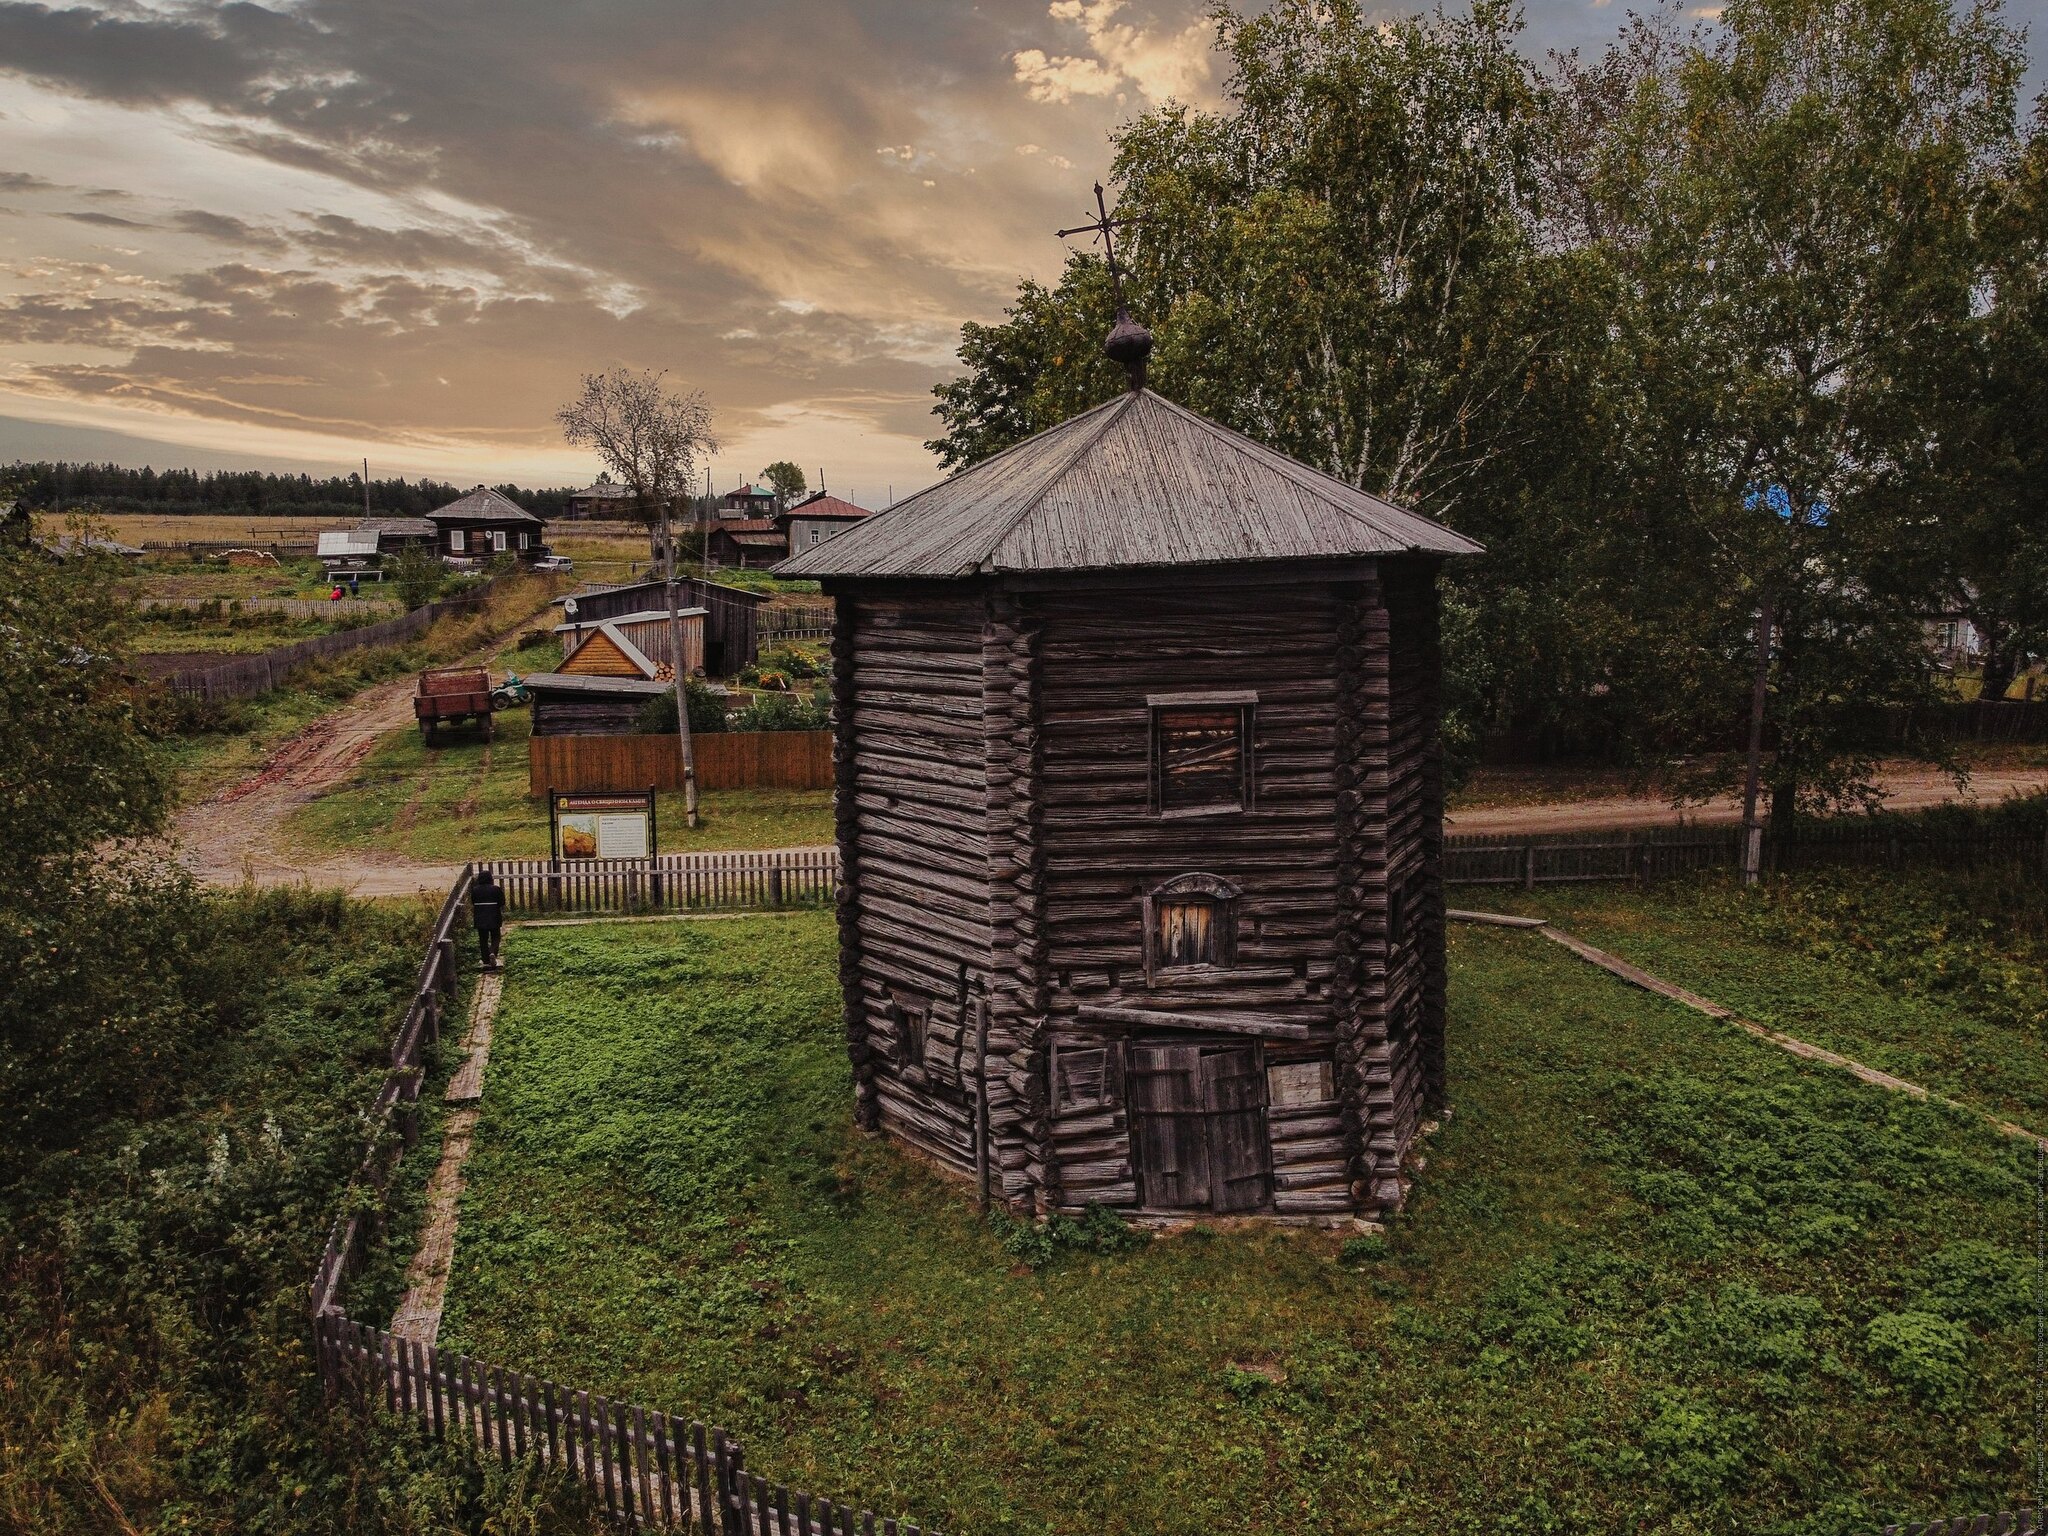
[
  {"x": 232, "y": 838},
  {"x": 1906, "y": 789}
]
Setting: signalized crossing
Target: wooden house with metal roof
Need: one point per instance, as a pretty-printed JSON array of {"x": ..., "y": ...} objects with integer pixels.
[
  {"x": 487, "y": 523},
  {"x": 1139, "y": 807}
]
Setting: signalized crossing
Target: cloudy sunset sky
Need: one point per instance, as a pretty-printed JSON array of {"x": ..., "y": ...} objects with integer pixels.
[{"x": 294, "y": 234}]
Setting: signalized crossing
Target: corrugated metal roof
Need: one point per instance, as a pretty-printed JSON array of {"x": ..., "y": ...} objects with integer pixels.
[
  {"x": 824, "y": 505},
  {"x": 397, "y": 527},
  {"x": 1135, "y": 482},
  {"x": 570, "y": 682},
  {"x": 340, "y": 544},
  {"x": 484, "y": 505}
]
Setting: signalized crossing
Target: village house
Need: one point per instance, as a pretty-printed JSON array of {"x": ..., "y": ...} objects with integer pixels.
[
  {"x": 747, "y": 502},
  {"x": 486, "y": 523},
  {"x": 746, "y": 543},
  {"x": 758, "y": 542},
  {"x": 817, "y": 518},
  {"x": 1140, "y": 820},
  {"x": 603, "y": 499}
]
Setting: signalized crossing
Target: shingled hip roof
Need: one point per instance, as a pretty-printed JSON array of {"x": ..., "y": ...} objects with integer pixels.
[
  {"x": 484, "y": 505},
  {"x": 1135, "y": 482}
]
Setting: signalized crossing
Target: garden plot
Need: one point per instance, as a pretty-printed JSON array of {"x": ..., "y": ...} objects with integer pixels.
[{"x": 1654, "y": 1275}]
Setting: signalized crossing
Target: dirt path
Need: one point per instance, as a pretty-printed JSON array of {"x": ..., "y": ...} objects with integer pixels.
[
  {"x": 1906, "y": 789},
  {"x": 426, "y": 1282},
  {"x": 232, "y": 838}
]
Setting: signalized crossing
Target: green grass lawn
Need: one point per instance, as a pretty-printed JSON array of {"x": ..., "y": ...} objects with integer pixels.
[
  {"x": 1655, "y": 1276},
  {"x": 1917, "y": 972},
  {"x": 466, "y": 799}
]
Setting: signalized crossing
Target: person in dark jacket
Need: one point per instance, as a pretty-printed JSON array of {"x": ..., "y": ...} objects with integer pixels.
[{"x": 487, "y": 910}]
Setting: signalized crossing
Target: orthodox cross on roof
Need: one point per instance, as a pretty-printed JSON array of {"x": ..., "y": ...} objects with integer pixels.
[{"x": 1128, "y": 343}]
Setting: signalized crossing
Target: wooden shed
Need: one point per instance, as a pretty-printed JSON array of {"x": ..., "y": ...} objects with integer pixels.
[
  {"x": 571, "y": 704},
  {"x": 631, "y": 645},
  {"x": 731, "y": 641},
  {"x": 1139, "y": 804}
]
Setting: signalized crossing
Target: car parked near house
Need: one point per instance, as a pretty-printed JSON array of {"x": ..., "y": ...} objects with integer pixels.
[{"x": 560, "y": 564}]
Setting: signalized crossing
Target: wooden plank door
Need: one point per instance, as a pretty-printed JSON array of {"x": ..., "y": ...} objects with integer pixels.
[
  {"x": 1169, "y": 1139},
  {"x": 1234, "y": 1098}
]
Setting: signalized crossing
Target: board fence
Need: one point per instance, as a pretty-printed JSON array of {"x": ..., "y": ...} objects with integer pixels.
[{"x": 725, "y": 760}]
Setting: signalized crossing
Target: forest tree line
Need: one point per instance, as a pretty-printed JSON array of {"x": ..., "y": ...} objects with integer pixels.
[
  {"x": 1735, "y": 331},
  {"x": 109, "y": 488}
]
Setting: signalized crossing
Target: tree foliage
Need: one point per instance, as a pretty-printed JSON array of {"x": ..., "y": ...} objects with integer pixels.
[
  {"x": 1719, "y": 318},
  {"x": 786, "y": 480},
  {"x": 648, "y": 436}
]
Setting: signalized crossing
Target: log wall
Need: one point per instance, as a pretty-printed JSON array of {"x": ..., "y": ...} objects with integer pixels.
[
  {"x": 1106, "y": 847},
  {"x": 913, "y": 810},
  {"x": 1003, "y": 838}
]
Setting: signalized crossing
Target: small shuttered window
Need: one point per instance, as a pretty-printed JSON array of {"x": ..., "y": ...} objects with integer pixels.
[
  {"x": 1187, "y": 933},
  {"x": 1201, "y": 752},
  {"x": 1080, "y": 1078},
  {"x": 457, "y": 540}
]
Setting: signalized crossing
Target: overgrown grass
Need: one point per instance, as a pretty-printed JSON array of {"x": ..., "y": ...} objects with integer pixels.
[
  {"x": 466, "y": 799},
  {"x": 155, "y": 1367},
  {"x": 1654, "y": 1276},
  {"x": 1937, "y": 976},
  {"x": 231, "y": 741}
]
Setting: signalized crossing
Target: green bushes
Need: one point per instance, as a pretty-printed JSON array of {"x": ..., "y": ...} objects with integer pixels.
[
  {"x": 417, "y": 574},
  {"x": 785, "y": 712},
  {"x": 707, "y": 710}
]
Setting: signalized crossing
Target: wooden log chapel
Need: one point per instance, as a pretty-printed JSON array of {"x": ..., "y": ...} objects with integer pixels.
[{"x": 1139, "y": 809}]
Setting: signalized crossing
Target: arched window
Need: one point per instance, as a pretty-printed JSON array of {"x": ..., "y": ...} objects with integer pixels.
[{"x": 1190, "y": 925}]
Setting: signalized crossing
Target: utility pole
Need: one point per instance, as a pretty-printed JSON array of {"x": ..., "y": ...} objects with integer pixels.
[
  {"x": 1759, "y": 696},
  {"x": 366, "y": 487},
  {"x": 703, "y": 531},
  {"x": 675, "y": 658}
]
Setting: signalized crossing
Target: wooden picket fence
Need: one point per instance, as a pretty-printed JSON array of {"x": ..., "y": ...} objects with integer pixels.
[
  {"x": 772, "y": 879},
  {"x": 674, "y": 882},
  {"x": 642, "y": 1466},
  {"x": 725, "y": 760},
  {"x": 2011, "y": 1522}
]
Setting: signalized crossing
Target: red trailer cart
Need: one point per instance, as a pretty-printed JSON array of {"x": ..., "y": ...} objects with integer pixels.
[{"x": 451, "y": 696}]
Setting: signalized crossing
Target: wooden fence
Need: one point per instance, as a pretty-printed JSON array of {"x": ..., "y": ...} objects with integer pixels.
[
  {"x": 642, "y": 1466},
  {"x": 294, "y": 607},
  {"x": 1658, "y": 853},
  {"x": 809, "y": 622},
  {"x": 244, "y": 677},
  {"x": 725, "y": 760},
  {"x": 675, "y": 882},
  {"x": 771, "y": 879},
  {"x": 2011, "y": 1522}
]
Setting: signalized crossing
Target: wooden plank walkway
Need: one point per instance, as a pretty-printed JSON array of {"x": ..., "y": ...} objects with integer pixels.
[
  {"x": 426, "y": 1282},
  {"x": 1635, "y": 976}
]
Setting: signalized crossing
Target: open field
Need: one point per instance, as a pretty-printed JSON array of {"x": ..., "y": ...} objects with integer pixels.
[
  {"x": 1655, "y": 1275},
  {"x": 144, "y": 528}
]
